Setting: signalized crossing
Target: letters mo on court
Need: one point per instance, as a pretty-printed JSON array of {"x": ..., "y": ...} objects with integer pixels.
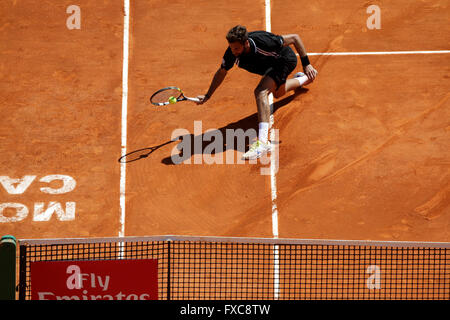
[{"x": 14, "y": 211}]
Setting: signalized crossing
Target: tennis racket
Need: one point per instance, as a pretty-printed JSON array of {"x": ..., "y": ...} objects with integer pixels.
[{"x": 169, "y": 95}]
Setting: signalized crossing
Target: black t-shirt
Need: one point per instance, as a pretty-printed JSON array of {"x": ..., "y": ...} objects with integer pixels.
[{"x": 267, "y": 50}]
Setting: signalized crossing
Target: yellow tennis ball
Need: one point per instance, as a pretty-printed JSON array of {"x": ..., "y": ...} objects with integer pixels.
[{"x": 172, "y": 100}]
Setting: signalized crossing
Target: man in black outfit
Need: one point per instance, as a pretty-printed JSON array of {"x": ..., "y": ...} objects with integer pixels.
[{"x": 270, "y": 56}]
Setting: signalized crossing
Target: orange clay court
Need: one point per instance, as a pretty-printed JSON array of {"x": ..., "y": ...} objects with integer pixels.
[{"x": 364, "y": 151}]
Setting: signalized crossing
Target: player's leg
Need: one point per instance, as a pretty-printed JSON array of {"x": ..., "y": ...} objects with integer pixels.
[
  {"x": 281, "y": 71},
  {"x": 266, "y": 86},
  {"x": 292, "y": 84}
]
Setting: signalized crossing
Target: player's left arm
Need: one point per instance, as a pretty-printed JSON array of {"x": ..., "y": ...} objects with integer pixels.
[{"x": 296, "y": 41}]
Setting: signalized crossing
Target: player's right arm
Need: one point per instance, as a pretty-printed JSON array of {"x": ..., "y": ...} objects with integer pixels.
[
  {"x": 217, "y": 80},
  {"x": 228, "y": 62}
]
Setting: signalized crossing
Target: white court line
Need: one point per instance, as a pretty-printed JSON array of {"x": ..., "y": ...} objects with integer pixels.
[
  {"x": 273, "y": 181},
  {"x": 375, "y": 53},
  {"x": 126, "y": 29}
]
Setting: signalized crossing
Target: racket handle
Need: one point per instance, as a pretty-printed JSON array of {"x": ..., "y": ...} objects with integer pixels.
[{"x": 193, "y": 99}]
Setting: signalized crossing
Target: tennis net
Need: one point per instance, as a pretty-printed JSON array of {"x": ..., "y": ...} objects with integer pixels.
[{"x": 216, "y": 268}]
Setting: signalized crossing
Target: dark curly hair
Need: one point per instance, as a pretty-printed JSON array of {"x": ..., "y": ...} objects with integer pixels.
[{"x": 237, "y": 34}]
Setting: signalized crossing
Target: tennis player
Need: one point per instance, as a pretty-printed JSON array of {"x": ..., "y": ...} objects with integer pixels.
[{"x": 270, "y": 56}]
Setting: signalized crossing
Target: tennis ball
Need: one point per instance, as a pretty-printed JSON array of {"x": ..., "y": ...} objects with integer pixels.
[{"x": 172, "y": 100}]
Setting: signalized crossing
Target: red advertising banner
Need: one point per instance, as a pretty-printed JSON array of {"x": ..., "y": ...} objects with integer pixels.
[{"x": 95, "y": 280}]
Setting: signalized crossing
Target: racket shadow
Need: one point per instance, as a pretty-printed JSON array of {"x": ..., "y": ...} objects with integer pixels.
[
  {"x": 250, "y": 122},
  {"x": 141, "y": 153}
]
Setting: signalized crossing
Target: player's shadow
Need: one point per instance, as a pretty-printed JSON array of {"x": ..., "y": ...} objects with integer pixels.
[{"x": 196, "y": 144}]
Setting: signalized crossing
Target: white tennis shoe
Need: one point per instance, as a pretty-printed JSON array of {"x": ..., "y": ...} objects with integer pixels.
[
  {"x": 257, "y": 149},
  {"x": 298, "y": 75}
]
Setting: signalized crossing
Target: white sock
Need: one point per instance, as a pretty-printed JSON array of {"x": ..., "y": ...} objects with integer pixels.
[
  {"x": 302, "y": 79},
  {"x": 263, "y": 131}
]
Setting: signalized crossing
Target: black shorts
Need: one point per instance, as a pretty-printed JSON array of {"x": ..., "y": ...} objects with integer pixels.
[{"x": 283, "y": 67}]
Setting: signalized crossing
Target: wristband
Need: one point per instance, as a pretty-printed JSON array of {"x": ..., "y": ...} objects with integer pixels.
[{"x": 305, "y": 61}]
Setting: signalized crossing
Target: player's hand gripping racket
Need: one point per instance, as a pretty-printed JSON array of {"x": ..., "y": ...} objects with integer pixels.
[{"x": 169, "y": 95}]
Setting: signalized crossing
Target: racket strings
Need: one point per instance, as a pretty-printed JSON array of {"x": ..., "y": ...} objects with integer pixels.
[{"x": 164, "y": 95}]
